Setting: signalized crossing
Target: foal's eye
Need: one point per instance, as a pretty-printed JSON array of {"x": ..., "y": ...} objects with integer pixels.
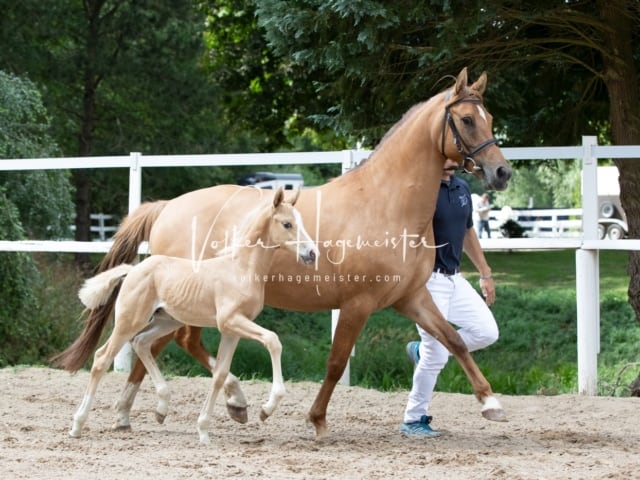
[
  {"x": 287, "y": 225},
  {"x": 468, "y": 121}
]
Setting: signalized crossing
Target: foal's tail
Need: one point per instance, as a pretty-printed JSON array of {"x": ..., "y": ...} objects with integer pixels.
[
  {"x": 134, "y": 230},
  {"x": 97, "y": 290}
]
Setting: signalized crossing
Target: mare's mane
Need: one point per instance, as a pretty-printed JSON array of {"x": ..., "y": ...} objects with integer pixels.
[
  {"x": 467, "y": 92},
  {"x": 390, "y": 132},
  {"x": 408, "y": 114}
]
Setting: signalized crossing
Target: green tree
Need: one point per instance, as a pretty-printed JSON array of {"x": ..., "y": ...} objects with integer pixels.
[
  {"x": 18, "y": 280},
  {"x": 265, "y": 93},
  {"x": 43, "y": 198},
  {"x": 31, "y": 203},
  {"x": 549, "y": 184}
]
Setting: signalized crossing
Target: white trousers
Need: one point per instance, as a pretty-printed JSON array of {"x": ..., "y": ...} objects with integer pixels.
[{"x": 462, "y": 306}]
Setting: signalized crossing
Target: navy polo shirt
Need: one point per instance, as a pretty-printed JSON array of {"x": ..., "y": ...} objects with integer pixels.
[{"x": 452, "y": 218}]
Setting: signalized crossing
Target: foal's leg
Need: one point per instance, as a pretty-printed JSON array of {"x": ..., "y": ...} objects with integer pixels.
[
  {"x": 160, "y": 326},
  {"x": 228, "y": 344},
  {"x": 101, "y": 361},
  {"x": 189, "y": 338},
  {"x": 245, "y": 328},
  {"x": 128, "y": 395}
]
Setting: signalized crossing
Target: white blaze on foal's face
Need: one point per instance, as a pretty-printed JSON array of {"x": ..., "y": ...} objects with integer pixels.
[{"x": 304, "y": 244}]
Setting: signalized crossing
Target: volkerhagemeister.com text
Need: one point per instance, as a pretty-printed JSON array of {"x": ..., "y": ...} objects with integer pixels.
[{"x": 323, "y": 278}]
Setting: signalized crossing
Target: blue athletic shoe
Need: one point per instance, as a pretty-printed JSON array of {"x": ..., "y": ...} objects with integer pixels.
[
  {"x": 413, "y": 352},
  {"x": 419, "y": 429}
]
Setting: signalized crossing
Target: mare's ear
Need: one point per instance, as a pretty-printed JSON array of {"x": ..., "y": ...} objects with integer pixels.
[
  {"x": 480, "y": 85},
  {"x": 278, "y": 197},
  {"x": 461, "y": 82},
  {"x": 295, "y": 196}
]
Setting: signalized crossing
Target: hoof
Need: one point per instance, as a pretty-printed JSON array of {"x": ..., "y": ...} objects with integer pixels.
[
  {"x": 495, "y": 415},
  {"x": 322, "y": 435},
  {"x": 160, "y": 418},
  {"x": 263, "y": 415},
  {"x": 322, "y": 432},
  {"x": 239, "y": 414},
  {"x": 121, "y": 428}
]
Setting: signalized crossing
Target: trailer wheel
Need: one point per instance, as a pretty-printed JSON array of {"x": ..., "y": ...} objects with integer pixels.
[
  {"x": 615, "y": 232},
  {"x": 602, "y": 231}
]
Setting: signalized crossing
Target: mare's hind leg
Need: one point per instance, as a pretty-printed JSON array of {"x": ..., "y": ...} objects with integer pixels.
[
  {"x": 226, "y": 349},
  {"x": 159, "y": 326},
  {"x": 101, "y": 361},
  {"x": 420, "y": 308},
  {"x": 189, "y": 338}
]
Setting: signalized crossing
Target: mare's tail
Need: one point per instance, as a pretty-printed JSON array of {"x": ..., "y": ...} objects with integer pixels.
[
  {"x": 97, "y": 290},
  {"x": 134, "y": 230}
]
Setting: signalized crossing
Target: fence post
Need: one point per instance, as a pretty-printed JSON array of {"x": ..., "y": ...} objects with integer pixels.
[
  {"x": 122, "y": 362},
  {"x": 588, "y": 277}
]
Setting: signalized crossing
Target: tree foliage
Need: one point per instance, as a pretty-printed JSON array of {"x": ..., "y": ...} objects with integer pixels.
[
  {"x": 545, "y": 63},
  {"x": 43, "y": 198},
  {"x": 31, "y": 204}
]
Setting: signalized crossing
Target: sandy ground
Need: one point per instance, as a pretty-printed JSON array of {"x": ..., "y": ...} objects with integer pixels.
[{"x": 563, "y": 437}]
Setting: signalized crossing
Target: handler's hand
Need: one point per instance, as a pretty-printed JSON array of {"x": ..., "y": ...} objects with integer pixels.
[{"x": 488, "y": 290}]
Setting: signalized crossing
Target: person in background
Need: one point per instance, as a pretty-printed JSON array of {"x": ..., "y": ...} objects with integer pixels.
[
  {"x": 454, "y": 296},
  {"x": 483, "y": 209}
]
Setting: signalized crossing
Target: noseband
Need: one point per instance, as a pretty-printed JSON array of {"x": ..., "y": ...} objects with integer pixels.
[{"x": 463, "y": 148}]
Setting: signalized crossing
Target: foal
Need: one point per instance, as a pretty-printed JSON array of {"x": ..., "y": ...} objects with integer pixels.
[{"x": 161, "y": 294}]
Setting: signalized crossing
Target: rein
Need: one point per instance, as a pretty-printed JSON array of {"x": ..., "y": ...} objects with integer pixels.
[{"x": 463, "y": 148}]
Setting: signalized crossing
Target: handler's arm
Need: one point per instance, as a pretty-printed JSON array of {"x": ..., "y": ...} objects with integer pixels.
[{"x": 474, "y": 251}]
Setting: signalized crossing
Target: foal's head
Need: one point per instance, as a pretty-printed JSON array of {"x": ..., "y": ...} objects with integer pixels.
[{"x": 287, "y": 230}]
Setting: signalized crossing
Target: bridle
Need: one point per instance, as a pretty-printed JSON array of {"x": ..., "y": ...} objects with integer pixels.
[{"x": 463, "y": 148}]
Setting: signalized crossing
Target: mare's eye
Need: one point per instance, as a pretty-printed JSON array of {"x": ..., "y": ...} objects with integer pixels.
[
  {"x": 287, "y": 225},
  {"x": 468, "y": 121}
]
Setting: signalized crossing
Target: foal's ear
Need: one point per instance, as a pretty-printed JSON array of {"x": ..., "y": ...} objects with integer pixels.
[
  {"x": 294, "y": 197},
  {"x": 461, "y": 82},
  {"x": 278, "y": 197},
  {"x": 480, "y": 85}
]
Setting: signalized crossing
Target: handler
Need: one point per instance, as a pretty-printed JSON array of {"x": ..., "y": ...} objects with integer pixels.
[{"x": 454, "y": 296}]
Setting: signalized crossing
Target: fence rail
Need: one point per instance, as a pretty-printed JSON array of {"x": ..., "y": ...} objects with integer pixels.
[{"x": 587, "y": 244}]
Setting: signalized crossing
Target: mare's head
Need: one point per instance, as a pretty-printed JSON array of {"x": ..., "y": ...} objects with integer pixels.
[
  {"x": 287, "y": 230},
  {"x": 467, "y": 135}
]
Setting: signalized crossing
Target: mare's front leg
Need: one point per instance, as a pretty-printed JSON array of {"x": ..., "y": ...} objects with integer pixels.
[
  {"x": 420, "y": 308},
  {"x": 352, "y": 318}
]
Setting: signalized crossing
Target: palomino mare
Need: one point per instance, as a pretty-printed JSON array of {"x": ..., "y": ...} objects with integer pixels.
[
  {"x": 373, "y": 227},
  {"x": 226, "y": 292}
]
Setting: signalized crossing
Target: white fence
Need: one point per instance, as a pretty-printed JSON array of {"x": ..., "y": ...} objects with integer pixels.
[
  {"x": 539, "y": 223},
  {"x": 587, "y": 244}
]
